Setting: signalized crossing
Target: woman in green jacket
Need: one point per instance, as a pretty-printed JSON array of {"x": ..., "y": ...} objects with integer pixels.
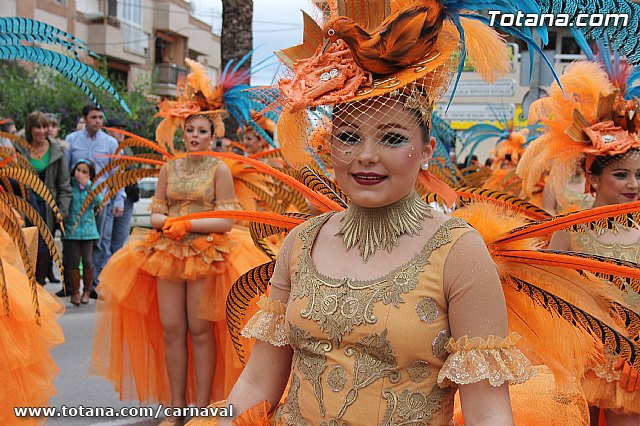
[{"x": 50, "y": 163}]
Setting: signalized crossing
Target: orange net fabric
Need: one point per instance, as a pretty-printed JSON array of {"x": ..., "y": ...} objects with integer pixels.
[
  {"x": 28, "y": 369},
  {"x": 132, "y": 358}
]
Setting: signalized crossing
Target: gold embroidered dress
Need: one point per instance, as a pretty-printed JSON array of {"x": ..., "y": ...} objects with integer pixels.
[
  {"x": 379, "y": 351},
  {"x": 601, "y": 383},
  {"x": 128, "y": 344}
]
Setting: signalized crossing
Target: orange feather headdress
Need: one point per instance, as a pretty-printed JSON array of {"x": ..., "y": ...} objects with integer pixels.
[
  {"x": 399, "y": 51},
  {"x": 586, "y": 119},
  {"x": 195, "y": 95}
]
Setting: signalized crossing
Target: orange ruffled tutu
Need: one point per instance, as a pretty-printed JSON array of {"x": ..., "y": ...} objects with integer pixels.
[
  {"x": 128, "y": 342},
  {"x": 28, "y": 369},
  {"x": 603, "y": 390}
]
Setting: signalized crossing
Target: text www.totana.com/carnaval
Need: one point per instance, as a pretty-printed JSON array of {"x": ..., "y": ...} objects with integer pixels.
[
  {"x": 155, "y": 412},
  {"x": 521, "y": 19}
]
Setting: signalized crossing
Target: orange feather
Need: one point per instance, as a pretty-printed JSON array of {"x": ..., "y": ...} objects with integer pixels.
[
  {"x": 265, "y": 153},
  {"x": 487, "y": 50},
  {"x": 275, "y": 219},
  {"x": 321, "y": 202},
  {"x": 134, "y": 159},
  {"x": 562, "y": 222},
  {"x": 563, "y": 261},
  {"x": 149, "y": 144},
  {"x": 402, "y": 39},
  {"x": 502, "y": 200},
  {"x": 6, "y": 161}
]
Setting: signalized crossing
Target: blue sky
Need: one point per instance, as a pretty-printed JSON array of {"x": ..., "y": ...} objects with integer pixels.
[{"x": 276, "y": 25}]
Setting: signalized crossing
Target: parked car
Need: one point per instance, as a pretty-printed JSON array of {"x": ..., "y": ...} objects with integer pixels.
[{"x": 141, "y": 214}]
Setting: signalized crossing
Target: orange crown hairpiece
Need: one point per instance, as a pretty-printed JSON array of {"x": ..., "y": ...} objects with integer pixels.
[
  {"x": 371, "y": 47},
  {"x": 589, "y": 119},
  {"x": 195, "y": 96}
]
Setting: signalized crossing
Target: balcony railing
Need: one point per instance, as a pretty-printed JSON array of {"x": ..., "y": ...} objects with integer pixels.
[
  {"x": 168, "y": 74},
  {"x": 166, "y": 79}
]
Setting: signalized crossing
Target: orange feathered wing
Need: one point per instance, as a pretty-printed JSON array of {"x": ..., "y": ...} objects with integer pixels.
[
  {"x": 555, "y": 283},
  {"x": 599, "y": 218},
  {"x": 321, "y": 202}
]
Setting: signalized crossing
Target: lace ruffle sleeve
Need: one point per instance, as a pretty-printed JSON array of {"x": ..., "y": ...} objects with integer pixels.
[
  {"x": 159, "y": 206},
  {"x": 496, "y": 359},
  {"x": 268, "y": 323}
]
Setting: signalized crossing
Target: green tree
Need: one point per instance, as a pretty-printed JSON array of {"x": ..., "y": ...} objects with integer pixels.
[{"x": 25, "y": 91}]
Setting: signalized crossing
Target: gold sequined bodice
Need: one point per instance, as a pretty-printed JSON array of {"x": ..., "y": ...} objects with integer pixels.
[
  {"x": 369, "y": 352},
  {"x": 586, "y": 242},
  {"x": 190, "y": 185}
]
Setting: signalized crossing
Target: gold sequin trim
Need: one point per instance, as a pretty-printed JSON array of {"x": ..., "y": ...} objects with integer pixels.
[
  {"x": 333, "y": 422},
  {"x": 191, "y": 174},
  {"x": 373, "y": 360},
  {"x": 291, "y": 414},
  {"x": 495, "y": 359},
  {"x": 336, "y": 378},
  {"x": 338, "y": 305},
  {"x": 158, "y": 206},
  {"x": 439, "y": 343},
  {"x": 310, "y": 359},
  {"x": 419, "y": 371},
  {"x": 412, "y": 408},
  {"x": 427, "y": 310}
]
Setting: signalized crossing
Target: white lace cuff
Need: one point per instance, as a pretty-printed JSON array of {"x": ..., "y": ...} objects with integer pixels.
[
  {"x": 268, "y": 323},
  {"x": 495, "y": 359}
]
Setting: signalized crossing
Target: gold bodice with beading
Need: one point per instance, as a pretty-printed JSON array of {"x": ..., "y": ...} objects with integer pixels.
[
  {"x": 601, "y": 383},
  {"x": 190, "y": 185},
  {"x": 369, "y": 349},
  {"x": 587, "y": 242}
]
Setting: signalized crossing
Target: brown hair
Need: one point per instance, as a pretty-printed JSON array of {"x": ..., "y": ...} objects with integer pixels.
[{"x": 35, "y": 119}]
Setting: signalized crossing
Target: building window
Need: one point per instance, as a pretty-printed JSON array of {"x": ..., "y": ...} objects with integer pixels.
[{"x": 130, "y": 11}]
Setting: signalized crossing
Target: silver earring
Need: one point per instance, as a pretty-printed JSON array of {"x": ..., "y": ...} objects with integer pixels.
[{"x": 424, "y": 166}]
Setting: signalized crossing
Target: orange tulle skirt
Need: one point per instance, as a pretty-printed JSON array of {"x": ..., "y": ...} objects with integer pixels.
[
  {"x": 27, "y": 367},
  {"x": 128, "y": 340},
  {"x": 608, "y": 395}
]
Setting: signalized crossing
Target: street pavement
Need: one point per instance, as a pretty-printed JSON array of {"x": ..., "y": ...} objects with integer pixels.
[{"x": 74, "y": 385}]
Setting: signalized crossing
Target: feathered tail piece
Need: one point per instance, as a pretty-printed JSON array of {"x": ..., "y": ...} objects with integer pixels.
[
  {"x": 555, "y": 284},
  {"x": 622, "y": 31},
  {"x": 14, "y": 31},
  {"x": 599, "y": 219},
  {"x": 248, "y": 287},
  {"x": 503, "y": 200}
]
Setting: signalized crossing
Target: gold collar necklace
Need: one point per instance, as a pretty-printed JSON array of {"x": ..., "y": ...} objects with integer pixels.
[
  {"x": 373, "y": 228},
  {"x": 192, "y": 164}
]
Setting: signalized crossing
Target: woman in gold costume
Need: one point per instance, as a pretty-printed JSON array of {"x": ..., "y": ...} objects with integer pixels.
[
  {"x": 377, "y": 313},
  {"x": 160, "y": 331},
  {"x": 596, "y": 129}
]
